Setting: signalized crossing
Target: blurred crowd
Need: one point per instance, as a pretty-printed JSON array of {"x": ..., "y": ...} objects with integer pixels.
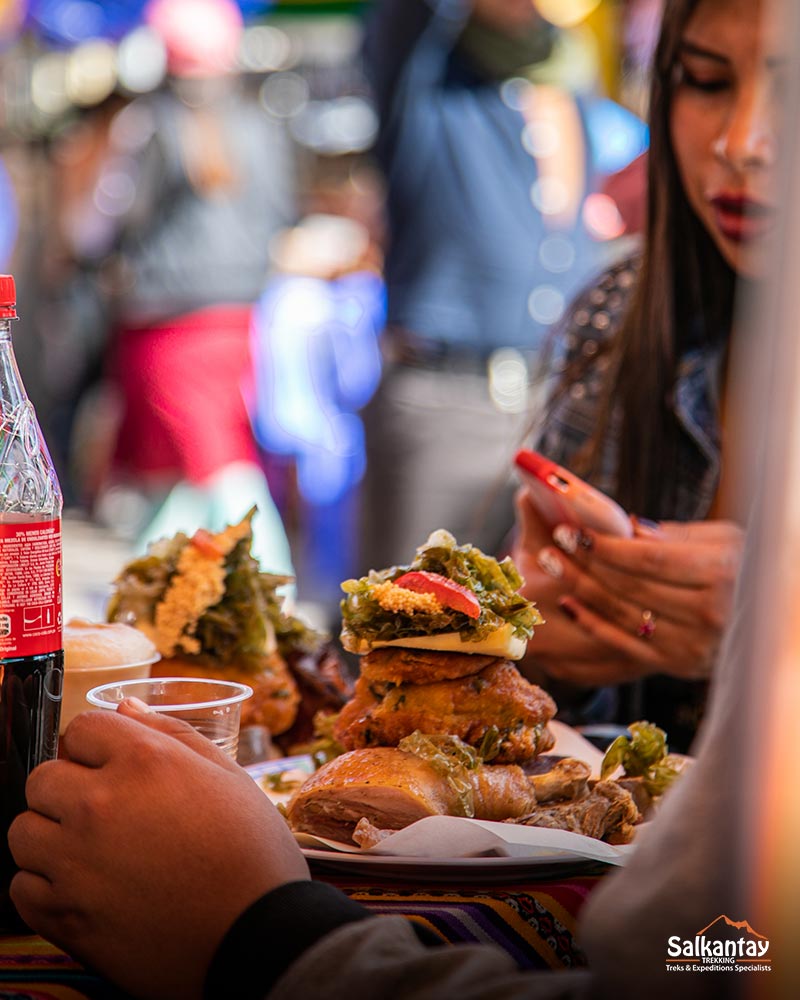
[{"x": 308, "y": 259}]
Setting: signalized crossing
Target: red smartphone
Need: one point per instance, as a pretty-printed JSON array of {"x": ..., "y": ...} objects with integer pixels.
[{"x": 563, "y": 498}]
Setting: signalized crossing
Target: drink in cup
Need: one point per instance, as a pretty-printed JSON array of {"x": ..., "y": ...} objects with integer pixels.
[
  {"x": 98, "y": 653},
  {"x": 212, "y": 707}
]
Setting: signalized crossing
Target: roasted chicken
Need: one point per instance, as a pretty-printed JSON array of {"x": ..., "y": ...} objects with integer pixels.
[
  {"x": 606, "y": 812},
  {"x": 392, "y": 789},
  {"x": 381, "y": 713},
  {"x": 365, "y": 793}
]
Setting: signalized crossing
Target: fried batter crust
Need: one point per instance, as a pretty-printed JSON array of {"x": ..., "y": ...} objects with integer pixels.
[
  {"x": 382, "y": 713},
  {"x": 275, "y": 695},
  {"x": 421, "y": 666}
]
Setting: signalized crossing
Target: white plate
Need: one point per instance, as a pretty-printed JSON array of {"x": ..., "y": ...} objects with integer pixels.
[
  {"x": 479, "y": 850},
  {"x": 449, "y": 869}
]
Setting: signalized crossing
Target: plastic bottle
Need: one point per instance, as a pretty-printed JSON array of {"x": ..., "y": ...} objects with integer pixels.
[{"x": 31, "y": 645}]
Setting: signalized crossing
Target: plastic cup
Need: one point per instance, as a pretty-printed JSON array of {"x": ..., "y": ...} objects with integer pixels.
[{"x": 212, "y": 707}]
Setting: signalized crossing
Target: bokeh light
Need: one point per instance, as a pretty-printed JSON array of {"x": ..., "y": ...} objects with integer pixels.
[
  {"x": 141, "y": 61},
  {"x": 566, "y": 13},
  {"x": 91, "y": 73},
  {"x": 49, "y": 84},
  {"x": 284, "y": 95},
  {"x": 265, "y": 49},
  {"x": 602, "y": 218},
  {"x": 546, "y": 304}
]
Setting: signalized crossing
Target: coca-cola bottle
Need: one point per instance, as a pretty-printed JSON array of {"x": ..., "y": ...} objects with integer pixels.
[{"x": 31, "y": 653}]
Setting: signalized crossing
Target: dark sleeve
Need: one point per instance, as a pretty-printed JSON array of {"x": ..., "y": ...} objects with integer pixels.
[
  {"x": 393, "y": 32},
  {"x": 275, "y": 931}
]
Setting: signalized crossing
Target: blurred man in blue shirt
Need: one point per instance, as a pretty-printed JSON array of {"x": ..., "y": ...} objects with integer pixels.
[{"x": 487, "y": 167}]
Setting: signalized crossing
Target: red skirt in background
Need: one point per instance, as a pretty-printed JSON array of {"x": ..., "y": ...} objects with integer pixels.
[{"x": 183, "y": 414}]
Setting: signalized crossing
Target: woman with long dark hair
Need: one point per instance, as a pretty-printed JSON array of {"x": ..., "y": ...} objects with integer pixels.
[
  {"x": 639, "y": 405},
  {"x": 105, "y": 872}
]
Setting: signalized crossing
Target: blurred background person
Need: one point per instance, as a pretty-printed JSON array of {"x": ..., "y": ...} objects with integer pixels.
[
  {"x": 196, "y": 182},
  {"x": 485, "y": 144},
  {"x": 641, "y": 373},
  {"x": 316, "y": 364},
  {"x": 82, "y": 80}
]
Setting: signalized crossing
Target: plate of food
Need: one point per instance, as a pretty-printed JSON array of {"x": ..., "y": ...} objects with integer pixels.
[
  {"x": 446, "y": 758},
  {"x": 210, "y": 611}
]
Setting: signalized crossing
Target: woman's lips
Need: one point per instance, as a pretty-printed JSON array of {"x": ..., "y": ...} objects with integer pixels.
[{"x": 742, "y": 219}]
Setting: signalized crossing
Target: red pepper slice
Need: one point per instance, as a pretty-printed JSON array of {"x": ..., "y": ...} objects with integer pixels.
[
  {"x": 447, "y": 592},
  {"x": 205, "y": 542}
]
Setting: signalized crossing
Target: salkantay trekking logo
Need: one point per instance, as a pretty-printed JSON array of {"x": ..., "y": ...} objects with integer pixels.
[{"x": 725, "y": 945}]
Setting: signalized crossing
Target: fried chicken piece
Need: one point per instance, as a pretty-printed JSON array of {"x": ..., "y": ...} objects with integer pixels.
[
  {"x": 391, "y": 789},
  {"x": 567, "y": 779},
  {"x": 275, "y": 695},
  {"x": 638, "y": 792},
  {"x": 401, "y": 665},
  {"x": 607, "y": 812},
  {"x": 382, "y": 713},
  {"x": 324, "y": 687}
]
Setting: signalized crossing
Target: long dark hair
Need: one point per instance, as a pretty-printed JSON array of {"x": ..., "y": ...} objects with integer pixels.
[{"x": 684, "y": 297}]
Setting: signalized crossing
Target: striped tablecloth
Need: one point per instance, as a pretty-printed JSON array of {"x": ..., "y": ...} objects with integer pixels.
[
  {"x": 34, "y": 969},
  {"x": 533, "y": 921}
]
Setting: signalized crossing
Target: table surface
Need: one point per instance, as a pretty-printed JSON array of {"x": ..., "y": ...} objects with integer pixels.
[{"x": 534, "y": 921}]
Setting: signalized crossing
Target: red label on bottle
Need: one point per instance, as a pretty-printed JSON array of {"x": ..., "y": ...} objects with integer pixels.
[{"x": 30, "y": 588}]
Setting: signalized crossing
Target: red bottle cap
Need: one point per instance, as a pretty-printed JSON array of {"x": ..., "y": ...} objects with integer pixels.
[{"x": 8, "y": 297}]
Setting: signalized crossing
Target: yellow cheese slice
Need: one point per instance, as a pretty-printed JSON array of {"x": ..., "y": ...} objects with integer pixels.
[{"x": 502, "y": 642}]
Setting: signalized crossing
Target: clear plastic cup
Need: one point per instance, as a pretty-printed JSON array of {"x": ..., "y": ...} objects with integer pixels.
[{"x": 212, "y": 707}]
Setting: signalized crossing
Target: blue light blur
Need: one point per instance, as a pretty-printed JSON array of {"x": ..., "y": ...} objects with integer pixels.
[
  {"x": 9, "y": 217},
  {"x": 317, "y": 363},
  {"x": 617, "y": 136},
  {"x": 63, "y": 23}
]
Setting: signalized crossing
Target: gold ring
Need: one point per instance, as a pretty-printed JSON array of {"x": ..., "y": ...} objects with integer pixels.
[{"x": 647, "y": 626}]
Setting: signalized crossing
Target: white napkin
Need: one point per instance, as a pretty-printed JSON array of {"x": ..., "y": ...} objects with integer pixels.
[{"x": 456, "y": 837}]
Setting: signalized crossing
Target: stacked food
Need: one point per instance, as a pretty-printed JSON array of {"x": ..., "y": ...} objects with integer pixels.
[
  {"x": 437, "y": 640},
  {"x": 209, "y": 610},
  {"x": 437, "y": 699}
]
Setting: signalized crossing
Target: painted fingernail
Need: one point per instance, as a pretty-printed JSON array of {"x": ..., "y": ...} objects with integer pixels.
[
  {"x": 550, "y": 561},
  {"x": 566, "y": 608},
  {"x": 647, "y": 524},
  {"x": 567, "y": 538}
]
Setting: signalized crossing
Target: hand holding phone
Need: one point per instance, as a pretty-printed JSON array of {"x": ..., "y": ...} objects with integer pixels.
[{"x": 563, "y": 498}]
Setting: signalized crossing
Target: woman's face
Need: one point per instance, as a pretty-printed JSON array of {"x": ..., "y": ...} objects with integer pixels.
[{"x": 724, "y": 124}]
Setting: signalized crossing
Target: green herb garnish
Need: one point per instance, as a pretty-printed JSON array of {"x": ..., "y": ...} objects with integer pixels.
[
  {"x": 644, "y": 755},
  {"x": 241, "y": 627},
  {"x": 495, "y": 584}
]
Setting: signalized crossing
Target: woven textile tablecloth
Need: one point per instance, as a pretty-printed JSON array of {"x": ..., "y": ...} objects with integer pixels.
[{"x": 533, "y": 921}]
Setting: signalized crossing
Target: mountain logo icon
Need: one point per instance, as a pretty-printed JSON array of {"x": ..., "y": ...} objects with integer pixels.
[{"x": 722, "y": 922}]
